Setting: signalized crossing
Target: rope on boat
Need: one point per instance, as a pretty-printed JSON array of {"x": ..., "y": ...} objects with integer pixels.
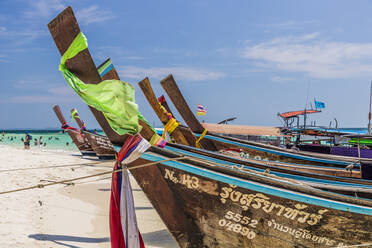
[
  {"x": 50, "y": 167},
  {"x": 266, "y": 173},
  {"x": 200, "y": 138},
  {"x": 350, "y": 246},
  {"x": 40, "y": 186},
  {"x": 95, "y": 180}
]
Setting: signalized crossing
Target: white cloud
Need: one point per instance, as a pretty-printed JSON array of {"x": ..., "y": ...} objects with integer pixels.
[
  {"x": 314, "y": 56},
  {"x": 17, "y": 38},
  {"x": 62, "y": 91},
  {"x": 42, "y": 99},
  {"x": 182, "y": 73},
  {"x": 41, "y": 90},
  {"x": 44, "y": 8},
  {"x": 31, "y": 83},
  {"x": 4, "y": 58},
  {"x": 290, "y": 24},
  {"x": 281, "y": 79},
  {"x": 21, "y": 34},
  {"x": 93, "y": 14}
]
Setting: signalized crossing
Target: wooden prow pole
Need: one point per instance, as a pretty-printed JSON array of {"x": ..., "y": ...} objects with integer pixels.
[
  {"x": 146, "y": 131},
  {"x": 64, "y": 28},
  {"x": 164, "y": 103},
  {"x": 80, "y": 141},
  {"x": 177, "y": 134},
  {"x": 174, "y": 93},
  {"x": 59, "y": 114},
  {"x": 164, "y": 201}
]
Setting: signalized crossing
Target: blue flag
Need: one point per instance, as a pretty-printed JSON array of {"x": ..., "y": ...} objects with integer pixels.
[{"x": 319, "y": 104}]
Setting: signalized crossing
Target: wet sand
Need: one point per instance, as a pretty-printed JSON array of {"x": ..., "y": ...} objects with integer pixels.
[{"x": 64, "y": 215}]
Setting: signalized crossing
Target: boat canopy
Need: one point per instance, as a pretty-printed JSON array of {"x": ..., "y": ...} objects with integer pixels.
[
  {"x": 297, "y": 113},
  {"x": 241, "y": 130}
]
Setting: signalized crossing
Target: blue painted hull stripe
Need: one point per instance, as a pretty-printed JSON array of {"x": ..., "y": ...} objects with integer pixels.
[
  {"x": 266, "y": 189},
  {"x": 280, "y": 174},
  {"x": 159, "y": 131},
  {"x": 276, "y": 152},
  {"x": 109, "y": 68}
]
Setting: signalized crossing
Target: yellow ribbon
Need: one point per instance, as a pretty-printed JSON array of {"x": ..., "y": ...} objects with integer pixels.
[
  {"x": 171, "y": 125},
  {"x": 74, "y": 111},
  {"x": 200, "y": 138},
  {"x": 165, "y": 111},
  {"x": 154, "y": 139}
]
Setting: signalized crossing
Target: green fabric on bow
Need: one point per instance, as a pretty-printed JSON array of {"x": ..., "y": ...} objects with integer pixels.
[{"x": 114, "y": 98}]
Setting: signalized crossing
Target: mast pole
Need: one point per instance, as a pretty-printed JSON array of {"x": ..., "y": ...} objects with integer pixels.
[{"x": 369, "y": 115}]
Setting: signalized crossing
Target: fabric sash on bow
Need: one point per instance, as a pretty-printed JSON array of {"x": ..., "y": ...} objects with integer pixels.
[{"x": 123, "y": 223}]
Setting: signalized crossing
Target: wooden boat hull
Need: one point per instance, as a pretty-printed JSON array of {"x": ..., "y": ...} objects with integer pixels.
[
  {"x": 210, "y": 206},
  {"x": 267, "y": 152},
  {"x": 82, "y": 143},
  {"x": 227, "y": 211},
  {"x": 101, "y": 146},
  {"x": 337, "y": 150},
  {"x": 76, "y": 136},
  {"x": 252, "y": 149},
  {"x": 355, "y": 187}
]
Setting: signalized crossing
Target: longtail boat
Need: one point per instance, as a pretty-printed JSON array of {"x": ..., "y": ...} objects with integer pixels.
[
  {"x": 238, "y": 148},
  {"x": 250, "y": 148},
  {"x": 100, "y": 144},
  {"x": 324, "y": 178},
  {"x": 333, "y": 179},
  {"x": 76, "y": 136},
  {"x": 205, "y": 204},
  {"x": 327, "y": 134}
]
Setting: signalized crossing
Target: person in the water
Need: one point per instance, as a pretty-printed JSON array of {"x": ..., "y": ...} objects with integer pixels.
[
  {"x": 27, "y": 141},
  {"x": 40, "y": 141}
]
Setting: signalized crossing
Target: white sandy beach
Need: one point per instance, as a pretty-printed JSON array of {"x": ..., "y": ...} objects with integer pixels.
[{"x": 64, "y": 215}]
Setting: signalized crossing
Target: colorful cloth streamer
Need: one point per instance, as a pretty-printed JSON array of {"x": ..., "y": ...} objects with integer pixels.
[
  {"x": 201, "y": 110},
  {"x": 114, "y": 98},
  {"x": 161, "y": 99},
  {"x": 171, "y": 125},
  {"x": 200, "y": 138},
  {"x": 170, "y": 116},
  {"x": 83, "y": 127},
  {"x": 123, "y": 222},
  {"x": 158, "y": 141},
  {"x": 65, "y": 126}
]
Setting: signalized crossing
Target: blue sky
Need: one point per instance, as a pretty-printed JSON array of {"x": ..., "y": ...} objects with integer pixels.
[{"x": 247, "y": 59}]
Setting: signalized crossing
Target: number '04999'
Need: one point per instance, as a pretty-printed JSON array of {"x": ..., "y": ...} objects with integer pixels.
[{"x": 238, "y": 228}]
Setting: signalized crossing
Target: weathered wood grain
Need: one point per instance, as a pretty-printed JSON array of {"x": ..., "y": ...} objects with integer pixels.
[
  {"x": 146, "y": 131},
  {"x": 174, "y": 93},
  {"x": 164, "y": 103},
  {"x": 77, "y": 118},
  {"x": 157, "y": 191},
  {"x": 79, "y": 140},
  {"x": 177, "y": 134},
  {"x": 64, "y": 28},
  {"x": 221, "y": 212},
  {"x": 101, "y": 145}
]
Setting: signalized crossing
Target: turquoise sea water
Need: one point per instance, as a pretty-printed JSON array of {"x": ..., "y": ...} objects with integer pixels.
[{"x": 53, "y": 139}]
